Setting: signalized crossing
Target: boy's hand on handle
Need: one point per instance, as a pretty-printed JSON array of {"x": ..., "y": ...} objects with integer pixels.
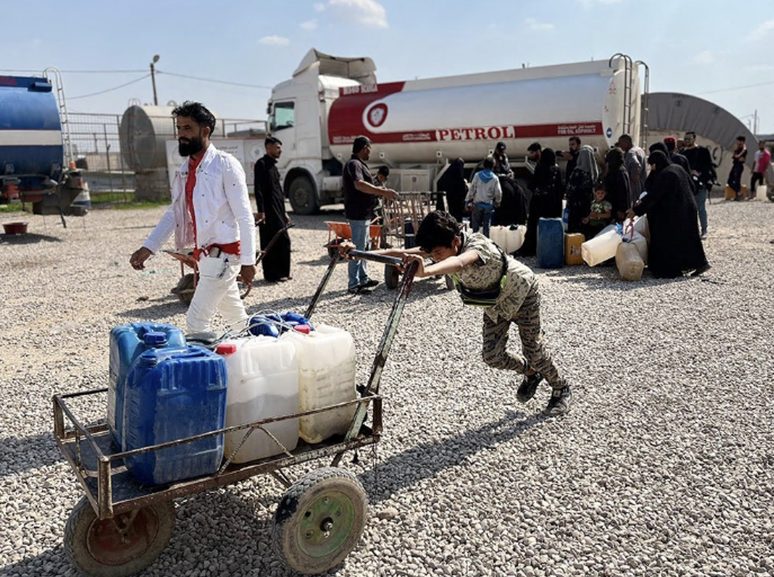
[
  {"x": 138, "y": 258},
  {"x": 344, "y": 247},
  {"x": 409, "y": 258}
]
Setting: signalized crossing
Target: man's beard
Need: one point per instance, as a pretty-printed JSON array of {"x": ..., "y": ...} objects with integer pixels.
[{"x": 193, "y": 146}]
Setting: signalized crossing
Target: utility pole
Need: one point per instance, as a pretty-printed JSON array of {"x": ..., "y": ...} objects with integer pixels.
[{"x": 153, "y": 78}]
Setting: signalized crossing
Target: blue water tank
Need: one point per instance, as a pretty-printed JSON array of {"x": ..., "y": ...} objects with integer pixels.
[
  {"x": 550, "y": 243},
  {"x": 127, "y": 342},
  {"x": 172, "y": 394},
  {"x": 30, "y": 132}
]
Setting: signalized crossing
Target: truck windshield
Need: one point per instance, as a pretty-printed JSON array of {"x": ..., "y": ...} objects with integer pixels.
[{"x": 283, "y": 116}]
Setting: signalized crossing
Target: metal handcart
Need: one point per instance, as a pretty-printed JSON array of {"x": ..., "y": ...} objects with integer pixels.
[{"x": 120, "y": 526}]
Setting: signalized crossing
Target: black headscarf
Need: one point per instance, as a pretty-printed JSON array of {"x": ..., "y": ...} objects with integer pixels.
[
  {"x": 547, "y": 157},
  {"x": 659, "y": 146},
  {"x": 615, "y": 159},
  {"x": 660, "y": 160}
]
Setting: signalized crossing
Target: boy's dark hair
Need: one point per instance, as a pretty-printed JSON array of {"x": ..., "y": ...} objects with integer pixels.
[
  {"x": 488, "y": 163},
  {"x": 198, "y": 112},
  {"x": 272, "y": 140},
  {"x": 575, "y": 139},
  {"x": 741, "y": 138},
  {"x": 384, "y": 171},
  {"x": 438, "y": 228},
  {"x": 600, "y": 185},
  {"x": 534, "y": 147}
]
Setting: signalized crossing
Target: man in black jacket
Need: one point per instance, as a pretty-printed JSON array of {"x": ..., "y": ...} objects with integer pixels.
[
  {"x": 703, "y": 173},
  {"x": 272, "y": 216}
]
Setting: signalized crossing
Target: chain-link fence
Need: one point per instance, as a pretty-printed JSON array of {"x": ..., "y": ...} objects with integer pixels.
[{"x": 95, "y": 141}]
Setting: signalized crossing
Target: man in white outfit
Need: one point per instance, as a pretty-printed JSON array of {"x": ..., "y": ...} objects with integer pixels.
[{"x": 211, "y": 211}]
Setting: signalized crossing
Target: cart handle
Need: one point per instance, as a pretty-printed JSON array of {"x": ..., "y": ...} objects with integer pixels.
[{"x": 380, "y": 258}]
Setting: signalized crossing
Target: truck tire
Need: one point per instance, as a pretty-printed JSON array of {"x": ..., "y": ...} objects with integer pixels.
[{"x": 302, "y": 196}]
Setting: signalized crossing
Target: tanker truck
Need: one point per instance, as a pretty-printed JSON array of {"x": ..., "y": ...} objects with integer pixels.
[
  {"x": 418, "y": 126},
  {"x": 33, "y": 166}
]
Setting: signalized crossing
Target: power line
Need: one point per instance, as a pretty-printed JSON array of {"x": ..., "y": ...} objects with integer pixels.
[
  {"x": 214, "y": 81},
  {"x": 79, "y": 71},
  {"x": 109, "y": 89},
  {"x": 737, "y": 88}
]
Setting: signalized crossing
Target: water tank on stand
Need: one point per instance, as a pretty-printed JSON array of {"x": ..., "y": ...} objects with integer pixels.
[{"x": 143, "y": 132}]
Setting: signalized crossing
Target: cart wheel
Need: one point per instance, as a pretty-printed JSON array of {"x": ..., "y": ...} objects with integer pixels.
[
  {"x": 117, "y": 547},
  {"x": 185, "y": 289},
  {"x": 391, "y": 276},
  {"x": 320, "y": 520},
  {"x": 449, "y": 282}
]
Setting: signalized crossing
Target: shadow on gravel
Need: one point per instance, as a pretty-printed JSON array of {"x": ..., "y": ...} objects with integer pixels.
[
  {"x": 427, "y": 460},
  {"x": 28, "y": 238},
  {"x": 28, "y": 453},
  {"x": 166, "y": 305},
  {"x": 48, "y": 563}
]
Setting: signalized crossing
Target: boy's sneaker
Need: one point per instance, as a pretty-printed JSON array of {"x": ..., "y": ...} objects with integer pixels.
[
  {"x": 528, "y": 387},
  {"x": 560, "y": 401},
  {"x": 370, "y": 283}
]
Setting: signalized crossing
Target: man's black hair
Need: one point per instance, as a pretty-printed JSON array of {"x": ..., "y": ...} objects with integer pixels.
[
  {"x": 360, "y": 143},
  {"x": 489, "y": 163},
  {"x": 690, "y": 133},
  {"x": 626, "y": 138},
  {"x": 534, "y": 147},
  {"x": 198, "y": 113},
  {"x": 272, "y": 140},
  {"x": 438, "y": 228},
  {"x": 575, "y": 139},
  {"x": 384, "y": 171}
]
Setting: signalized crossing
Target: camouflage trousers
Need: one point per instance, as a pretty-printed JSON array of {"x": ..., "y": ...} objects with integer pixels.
[{"x": 533, "y": 342}]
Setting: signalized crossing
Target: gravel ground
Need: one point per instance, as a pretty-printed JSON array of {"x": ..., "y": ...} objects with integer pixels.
[{"x": 664, "y": 466}]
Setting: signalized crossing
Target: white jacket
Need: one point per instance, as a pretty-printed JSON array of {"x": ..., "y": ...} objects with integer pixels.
[{"x": 221, "y": 204}]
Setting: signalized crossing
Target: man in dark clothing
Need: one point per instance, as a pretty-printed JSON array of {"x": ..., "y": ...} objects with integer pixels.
[
  {"x": 502, "y": 166},
  {"x": 702, "y": 172},
  {"x": 571, "y": 156},
  {"x": 737, "y": 166},
  {"x": 359, "y": 201},
  {"x": 271, "y": 213}
]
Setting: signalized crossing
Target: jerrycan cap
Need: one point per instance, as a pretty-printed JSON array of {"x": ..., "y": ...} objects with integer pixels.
[
  {"x": 305, "y": 329},
  {"x": 226, "y": 349},
  {"x": 154, "y": 338}
]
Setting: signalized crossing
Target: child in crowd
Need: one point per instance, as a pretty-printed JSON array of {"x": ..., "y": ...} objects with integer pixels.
[
  {"x": 601, "y": 212},
  {"x": 509, "y": 291},
  {"x": 484, "y": 196}
]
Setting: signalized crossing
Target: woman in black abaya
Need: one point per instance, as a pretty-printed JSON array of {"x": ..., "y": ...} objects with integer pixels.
[
  {"x": 546, "y": 201},
  {"x": 580, "y": 189},
  {"x": 452, "y": 182},
  {"x": 675, "y": 244}
]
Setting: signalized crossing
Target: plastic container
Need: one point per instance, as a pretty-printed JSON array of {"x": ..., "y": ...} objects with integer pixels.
[
  {"x": 550, "y": 243},
  {"x": 639, "y": 243},
  {"x": 126, "y": 344},
  {"x": 326, "y": 376},
  {"x": 629, "y": 262},
  {"x": 262, "y": 383},
  {"x": 572, "y": 248},
  {"x": 730, "y": 193},
  {"x": 602, "y": 247},
  {"x": 514, "y": 238},
  {"x": 172, "y": 394},
  {"x": 497, "y": 235}
]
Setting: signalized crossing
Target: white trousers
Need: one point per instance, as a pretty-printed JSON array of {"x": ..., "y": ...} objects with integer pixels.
[{"x": 217, "y": 289}]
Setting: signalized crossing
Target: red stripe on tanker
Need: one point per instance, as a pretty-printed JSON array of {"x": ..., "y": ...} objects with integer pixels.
[{"x": 415, "y": 112}]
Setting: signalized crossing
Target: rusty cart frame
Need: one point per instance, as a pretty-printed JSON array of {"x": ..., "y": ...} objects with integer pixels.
[{"x": 121, "y": 526}]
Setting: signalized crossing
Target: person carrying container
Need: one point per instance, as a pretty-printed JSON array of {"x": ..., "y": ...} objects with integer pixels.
[
  {"x": 508, "y": 290},
  {"x": 211, "y": 211}
]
